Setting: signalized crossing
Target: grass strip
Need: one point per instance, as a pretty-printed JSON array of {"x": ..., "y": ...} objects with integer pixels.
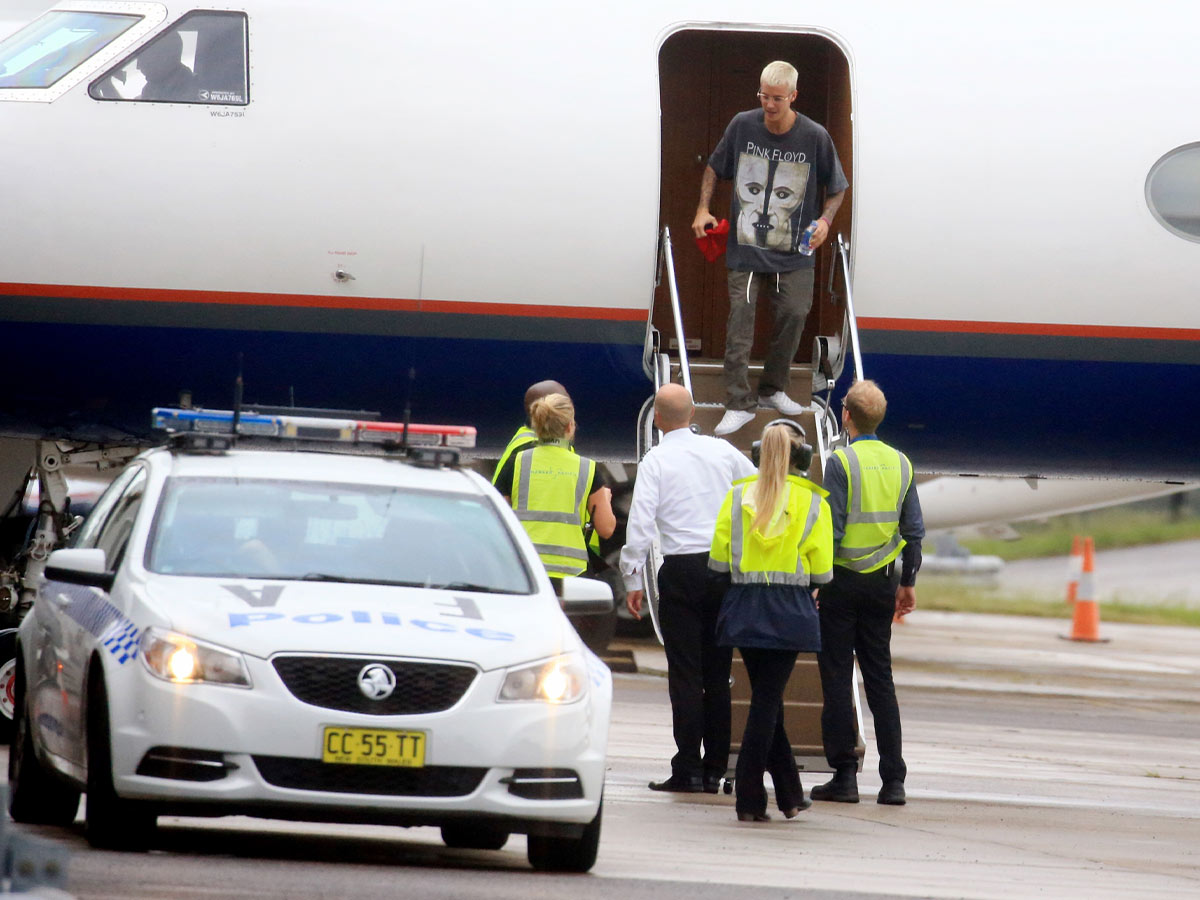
[
  {"x": 1121, "y": 526},
  {"x": 956, "y": 595}
]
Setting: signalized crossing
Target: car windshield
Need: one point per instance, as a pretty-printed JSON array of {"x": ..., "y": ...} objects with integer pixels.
[
  {"x": 333, "y": 532},
  {"x": 40, "y": 54}
]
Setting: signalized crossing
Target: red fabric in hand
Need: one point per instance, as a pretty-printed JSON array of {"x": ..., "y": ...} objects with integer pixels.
[{"x": 712, "y": 245}]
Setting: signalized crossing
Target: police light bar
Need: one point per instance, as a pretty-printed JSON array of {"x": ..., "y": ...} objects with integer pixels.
[{"x": 220, "y": 421}]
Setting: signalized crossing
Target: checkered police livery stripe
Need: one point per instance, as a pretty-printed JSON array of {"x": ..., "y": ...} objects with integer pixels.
[
  {"x": 122, "y": 641},
  {"x": 97, "y": 616}
]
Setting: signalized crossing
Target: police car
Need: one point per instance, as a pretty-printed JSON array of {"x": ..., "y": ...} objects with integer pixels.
[{"x": 314, "y": 636}]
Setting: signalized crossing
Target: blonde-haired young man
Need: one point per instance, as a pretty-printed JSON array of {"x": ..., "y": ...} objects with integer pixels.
[{"x": 786, "y": 174}]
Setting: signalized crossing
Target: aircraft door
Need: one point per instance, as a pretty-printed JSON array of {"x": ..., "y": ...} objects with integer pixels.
[{"x": 705, "y": 77}]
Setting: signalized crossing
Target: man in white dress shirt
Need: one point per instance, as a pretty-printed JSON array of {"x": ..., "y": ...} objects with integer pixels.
[{"x": 680, "y": 486}]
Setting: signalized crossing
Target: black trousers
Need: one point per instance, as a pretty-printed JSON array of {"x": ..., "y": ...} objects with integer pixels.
[
  {"x": 765, "y": 744},
  {"x": 697, "y": 669},
  {"x": 856, "y": 619}
]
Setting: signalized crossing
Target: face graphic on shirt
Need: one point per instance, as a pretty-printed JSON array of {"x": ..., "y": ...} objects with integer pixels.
[{"x": 770, "y": 194}]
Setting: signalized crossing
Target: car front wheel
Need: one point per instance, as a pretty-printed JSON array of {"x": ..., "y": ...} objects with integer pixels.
[
  {"x": 560, "y": 854},
  {"x": 112, "y": 823}
]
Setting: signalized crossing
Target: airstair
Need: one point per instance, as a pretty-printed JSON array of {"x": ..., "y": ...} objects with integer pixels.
[{"x": 812, "y": 383}]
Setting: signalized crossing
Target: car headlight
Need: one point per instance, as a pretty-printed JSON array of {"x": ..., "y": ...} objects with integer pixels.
[
  {"x": 183, "y": 660},
  {"x": 562, "y": 679}
]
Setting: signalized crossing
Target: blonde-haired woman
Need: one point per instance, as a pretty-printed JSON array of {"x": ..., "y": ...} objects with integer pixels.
[
  {"x": 555, "y": 492},
  {"x": 774, "y": 537}
]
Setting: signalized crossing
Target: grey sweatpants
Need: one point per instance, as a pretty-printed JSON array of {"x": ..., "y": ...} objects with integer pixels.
[{"x": 791, "y": 295}]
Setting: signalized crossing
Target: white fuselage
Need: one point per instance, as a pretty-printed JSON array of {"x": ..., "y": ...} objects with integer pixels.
[{"x": 491, "y": 180}]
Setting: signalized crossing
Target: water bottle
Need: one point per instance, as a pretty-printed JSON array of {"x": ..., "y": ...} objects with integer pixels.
[{"x": 805, "y": 248}]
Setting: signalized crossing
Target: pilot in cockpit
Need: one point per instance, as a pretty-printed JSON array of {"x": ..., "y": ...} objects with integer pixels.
[{"x": 167, "y": 77}]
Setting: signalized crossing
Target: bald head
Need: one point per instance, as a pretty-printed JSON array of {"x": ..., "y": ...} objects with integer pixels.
[
  {"x": 673, "y": 407},
  {"x": 542, "y": 389}
]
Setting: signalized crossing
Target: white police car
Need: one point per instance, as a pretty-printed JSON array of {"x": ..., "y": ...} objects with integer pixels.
[{"x": 316, "y": 636}]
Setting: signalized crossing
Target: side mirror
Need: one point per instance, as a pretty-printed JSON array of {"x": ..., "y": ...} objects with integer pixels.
[
  {"x": 586, "y": 596},
  {"x": 86, "y": 567}
]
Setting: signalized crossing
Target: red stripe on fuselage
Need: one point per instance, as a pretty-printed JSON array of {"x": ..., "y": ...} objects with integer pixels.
[
  {"x": 319, "y": 301},
  {"x": 1039, "y": 329}
]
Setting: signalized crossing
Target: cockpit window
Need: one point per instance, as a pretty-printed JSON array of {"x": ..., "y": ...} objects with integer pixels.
[
  {"x": 43, "y": 52},
  {"x": 202, "y": 58}
]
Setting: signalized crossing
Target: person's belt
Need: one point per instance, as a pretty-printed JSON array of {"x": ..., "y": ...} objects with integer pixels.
[
  {"x": 885, "y": 572},
  {"x": 703, "y": 553}
]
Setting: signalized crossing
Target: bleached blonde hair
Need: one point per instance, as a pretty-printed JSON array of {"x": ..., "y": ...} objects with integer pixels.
[{"x": 780, "y": 74}]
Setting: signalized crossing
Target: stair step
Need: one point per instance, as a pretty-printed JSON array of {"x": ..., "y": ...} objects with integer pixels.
[
  {"x": 708, "y": 415},
  {"x": 708, "y": 380}
]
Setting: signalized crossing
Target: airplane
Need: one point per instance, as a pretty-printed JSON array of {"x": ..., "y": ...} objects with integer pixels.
[
  {"x": 360, "y": 206},
  {"x": 391, "y": 207},
  {"x": 367, "y": 191}
]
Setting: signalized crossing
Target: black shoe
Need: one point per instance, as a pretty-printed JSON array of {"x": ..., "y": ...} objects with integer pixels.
[
  {"x": 753, "y": 817},
  {"x": 891, "y": 794},
  {"x": 839, "y": 789},
  {"x": 692, "y": 784},
  {"x": 712, "y": 784},
  {"x": 805, "y": 803}
]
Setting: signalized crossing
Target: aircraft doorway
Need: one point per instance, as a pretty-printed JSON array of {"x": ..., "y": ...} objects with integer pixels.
[{"x": 705, "y": 77}]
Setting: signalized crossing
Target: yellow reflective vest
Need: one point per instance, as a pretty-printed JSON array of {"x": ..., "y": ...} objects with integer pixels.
[
  {"x": 523, "y": 438},
  {"x": 797, "y": 547},
  {"x": 550, "y": 493},
  {"x": 877, "y": 478}
]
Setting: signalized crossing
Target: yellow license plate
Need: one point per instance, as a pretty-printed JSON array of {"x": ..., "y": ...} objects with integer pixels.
[{"x": 373, "y": 747}]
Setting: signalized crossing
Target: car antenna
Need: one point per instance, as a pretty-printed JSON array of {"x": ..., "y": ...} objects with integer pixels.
[
  {"x": 412, "y": 376},
  {"x": 238, "y": 384}
]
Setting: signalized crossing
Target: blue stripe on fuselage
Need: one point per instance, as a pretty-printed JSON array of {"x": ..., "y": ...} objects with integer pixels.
[
  {"x": 99, "y": 381},
  {"x": 1041, "y": 417}
]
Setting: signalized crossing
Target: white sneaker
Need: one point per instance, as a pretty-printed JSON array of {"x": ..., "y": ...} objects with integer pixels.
[
  {"x": 733, "y": 420},
  {"x": 782, "y": 402}
]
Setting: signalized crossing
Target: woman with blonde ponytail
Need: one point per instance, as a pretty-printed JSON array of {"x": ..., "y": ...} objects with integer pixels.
[
  {"x": 774, "y": 538},
  {"x": 555, "y": 492}
]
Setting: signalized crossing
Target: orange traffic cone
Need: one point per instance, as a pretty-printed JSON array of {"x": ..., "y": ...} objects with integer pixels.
[
  {"x": 1086, "y": 625},
  {"x": 1074, "y": 568}
]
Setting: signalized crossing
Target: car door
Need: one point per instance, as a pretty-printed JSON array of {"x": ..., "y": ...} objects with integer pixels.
[{"x": 76, "y": 619}]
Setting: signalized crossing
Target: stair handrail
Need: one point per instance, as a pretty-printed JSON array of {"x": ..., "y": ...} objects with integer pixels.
[
  {"x": 851, "y": 319},
  {"x": 669, "y": 258}
]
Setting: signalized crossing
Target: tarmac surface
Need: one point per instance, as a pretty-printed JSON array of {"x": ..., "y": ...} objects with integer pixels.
[{"x": 1038, "y": 767}]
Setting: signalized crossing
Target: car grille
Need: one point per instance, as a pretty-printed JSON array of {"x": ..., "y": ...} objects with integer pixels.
[
  {"x": 314, "y": 775},
  {"x": 331, "y": 682}
]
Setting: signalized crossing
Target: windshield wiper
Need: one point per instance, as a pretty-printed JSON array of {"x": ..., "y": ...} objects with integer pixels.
[
  {"x": 344, "y": 579},
  {"x": 324, "y": 576},
  {"x": 468, "y": 586}
]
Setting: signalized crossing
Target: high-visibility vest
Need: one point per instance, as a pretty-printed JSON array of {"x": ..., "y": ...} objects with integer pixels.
[
  {"x": 877, "y": 479},
  {"x": 524, "y": 437},
  {"x": 550, "y": 493},
  {"x": 800, "y": 552}
]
